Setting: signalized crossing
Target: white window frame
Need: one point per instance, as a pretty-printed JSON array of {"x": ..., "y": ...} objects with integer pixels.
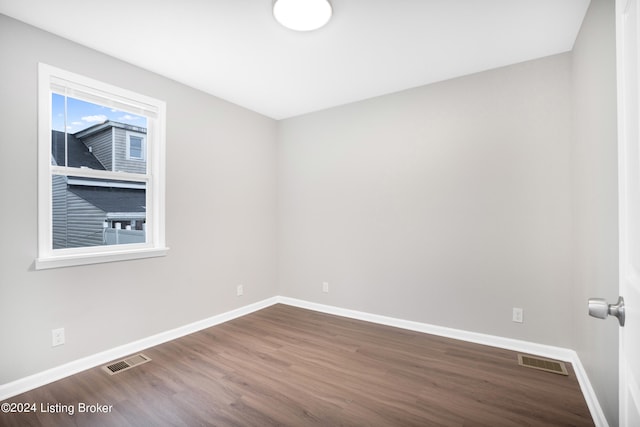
[
  {"x": 144, "y": 145},
  {"x": 52, "y": 79}
]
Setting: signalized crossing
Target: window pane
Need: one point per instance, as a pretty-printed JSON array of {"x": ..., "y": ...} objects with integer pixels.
[
  {"x": 135, "y": 147},
  {"x": 89, "y": 135},
  {"x": 58, "y": 145},
  {"x": 95, "y": 212}
]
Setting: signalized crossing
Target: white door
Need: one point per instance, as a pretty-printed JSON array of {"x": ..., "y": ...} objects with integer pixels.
[{"x": 628, "y": 54}]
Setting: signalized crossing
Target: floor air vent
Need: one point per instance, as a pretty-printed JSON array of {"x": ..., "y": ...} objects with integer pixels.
[
  {"x": 542, "y": 364},
  {"x": 128, "y": 363}
]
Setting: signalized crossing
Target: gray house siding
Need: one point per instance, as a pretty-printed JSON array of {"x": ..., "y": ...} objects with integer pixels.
[
  {"x": 84, "y": 223},
  {"x": 108, "y": 143},
  {"x": 59, "y": 205},
  {"x": 121, "y": 161},
  {"x": 101, "y": 145},
  {"x": 80, "y": 205}
]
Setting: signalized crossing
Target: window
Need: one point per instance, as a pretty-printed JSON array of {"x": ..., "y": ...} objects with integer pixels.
[
  {"x": 135, "y": 146},
  {"x": 101, "y": 172}
]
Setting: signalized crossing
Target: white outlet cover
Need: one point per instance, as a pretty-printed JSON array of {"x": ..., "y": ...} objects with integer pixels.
[
  {"x": 57, "y": 337},
  {"x": 518, "y": 315},
  {"x": 325, "y": 286},
  {"x": 240, "y": 290}
]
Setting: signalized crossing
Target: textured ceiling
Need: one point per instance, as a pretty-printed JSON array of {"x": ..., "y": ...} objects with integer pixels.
[{"x": 235, "y": 50}]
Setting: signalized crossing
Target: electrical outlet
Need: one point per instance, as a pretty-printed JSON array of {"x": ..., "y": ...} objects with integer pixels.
[
  {"x": 57, "y": 337},
  {"x": 240, "y": 290},
  {"x": 325, "y": 287},
  {"x": 518, "y": 315}
]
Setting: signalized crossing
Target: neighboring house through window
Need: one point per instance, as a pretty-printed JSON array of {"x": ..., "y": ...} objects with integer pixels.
[{"x": 101, "y": 181}]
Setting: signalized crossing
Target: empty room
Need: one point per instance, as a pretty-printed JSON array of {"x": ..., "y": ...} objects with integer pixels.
[{"x": 312, "y": 212}]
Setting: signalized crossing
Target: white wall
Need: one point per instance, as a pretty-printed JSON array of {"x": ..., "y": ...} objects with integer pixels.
[
  {"x": 221, "y": 211},
  {"x": 594, "y": 191},
  {"x": 447, "y": 204}
]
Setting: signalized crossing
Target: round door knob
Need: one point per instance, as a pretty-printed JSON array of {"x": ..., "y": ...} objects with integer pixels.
[{"x": 599, "y": 308}]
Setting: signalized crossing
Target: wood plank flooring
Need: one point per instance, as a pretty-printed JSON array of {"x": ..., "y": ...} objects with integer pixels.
[{"x": 285, "y": 366}]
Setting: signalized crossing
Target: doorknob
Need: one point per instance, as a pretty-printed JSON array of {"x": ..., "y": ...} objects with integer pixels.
[{"x": 599, "y": 308}]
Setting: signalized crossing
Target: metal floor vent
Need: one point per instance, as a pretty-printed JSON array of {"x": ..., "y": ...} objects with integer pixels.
[
  {"x": 128, "y": 363},
  {"x": 542, "y": 364}
]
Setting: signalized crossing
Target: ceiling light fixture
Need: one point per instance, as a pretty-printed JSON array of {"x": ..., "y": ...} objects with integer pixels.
[{"x": 302, "y": 15}]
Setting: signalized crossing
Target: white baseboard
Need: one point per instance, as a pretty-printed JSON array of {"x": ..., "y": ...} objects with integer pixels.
[
  {"x": 37, "y": 380},
  {"x": 551, "y": 352},
  {"x": 50, "y": 375},
  {"x": 474, "y": 337}
]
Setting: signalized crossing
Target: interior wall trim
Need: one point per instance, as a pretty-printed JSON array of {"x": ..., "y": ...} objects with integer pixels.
[
  {"x": 54, "y": 374},
  {"x": 567, "y": 355},
  {"x": 552, "y": 352}
]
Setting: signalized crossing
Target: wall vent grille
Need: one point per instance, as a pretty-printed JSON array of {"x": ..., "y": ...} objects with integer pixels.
[
  {"x": 128, "y": 363},
  {"x": 542, "y": 364}
]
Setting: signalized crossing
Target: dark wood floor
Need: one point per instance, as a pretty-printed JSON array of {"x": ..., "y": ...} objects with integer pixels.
[{"x": 293, "y": 367}]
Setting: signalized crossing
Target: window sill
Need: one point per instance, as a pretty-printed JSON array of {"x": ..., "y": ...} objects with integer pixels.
[{"x": 85, "y": 259}]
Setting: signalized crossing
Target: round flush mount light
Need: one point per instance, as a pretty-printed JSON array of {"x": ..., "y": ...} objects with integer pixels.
[{"x": 302, "y": 15}]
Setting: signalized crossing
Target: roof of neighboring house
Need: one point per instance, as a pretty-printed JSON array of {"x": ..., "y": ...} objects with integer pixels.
[
  {"x": 109, "y": 199},
  {"x": 107, "y": 125},
  {"x": 77, "y": 153}
]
